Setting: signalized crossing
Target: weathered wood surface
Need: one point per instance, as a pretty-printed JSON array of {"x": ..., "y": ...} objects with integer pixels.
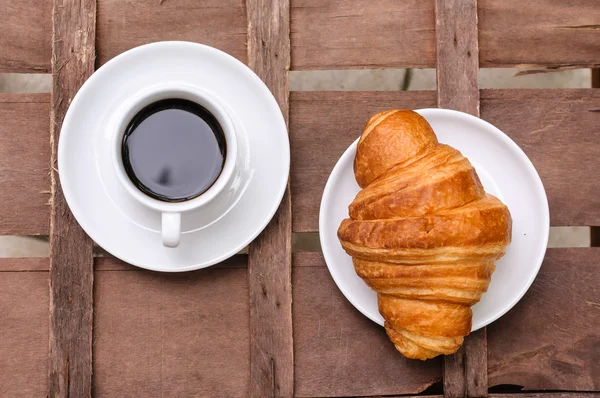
[
  {"x": 123, "y": 25},
  {"x": 24, "y": 164},
  {"x": 331, "y": 34},
  {"x": 457, "y": 55},
  {"x": 465, "y": 373},
  {"x": 558, "y": 130},
  {"x": 23, "y": 332},
  {"x": 541, "y": 394},
  {"x": 325, "y": 34},
  {"x": 25, "y": 33},
  {"x": 71, "y": 261},
  {"x": 385, "y": 33},
  {"x": 171, "y": 334},
  {"x": 24, "y": 264},
  {"x": 338, "y": 351},
  {"x": 270, "y": 255},
  {"x": 322, "y": 126},
  {"x": 542, "y": 32},
  {"x": 551, "y": 339},
  {"x": 109, "y": 263}
]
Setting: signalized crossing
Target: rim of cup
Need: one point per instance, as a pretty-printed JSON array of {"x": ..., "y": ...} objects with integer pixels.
[{"x": 181, "y": 91}]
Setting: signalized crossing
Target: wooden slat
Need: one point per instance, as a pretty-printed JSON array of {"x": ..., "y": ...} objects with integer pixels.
[
  {"x": 558, "y": 130},
  {"x": 23, "y": 333},
  {"x": 338, "y": 351},
  {"x": 71, "y": 250},
  {"x": 542, "y": 32},
  {"x": 322, "y": 126},
  {"x": 571, "y": 394},
  {"x": 457, "y": 55},
  {"x": 331, "y": 34},
  {"x": 465, "y": 373},
  {"x": 25, "y": 264},
  {"x": 172, "y": 334},
  {"x": 109, "y": 263},
  {"x": 386, "y": 33},
  {"x": 123, "y": 25},
  {"x": 24, "y": 164},
  {"x": 270, "y": 255},
  {"x": 550, "y": 340},
  {"x": 25, "y": 32}
]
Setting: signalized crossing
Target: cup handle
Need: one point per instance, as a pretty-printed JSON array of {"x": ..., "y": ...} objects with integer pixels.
[{"x": 171, "y": 229}]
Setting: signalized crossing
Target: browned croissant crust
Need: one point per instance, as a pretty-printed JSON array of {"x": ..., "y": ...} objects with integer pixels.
[{"x": 422, "y": 233}]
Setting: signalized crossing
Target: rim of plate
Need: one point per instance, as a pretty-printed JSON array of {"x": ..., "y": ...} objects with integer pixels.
[
  {"x": 497, "y": 133},
  {"x": 79, "y": 214}
]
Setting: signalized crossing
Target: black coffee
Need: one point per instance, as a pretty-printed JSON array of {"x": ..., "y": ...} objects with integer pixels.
[{"x": 173, "y": 150}]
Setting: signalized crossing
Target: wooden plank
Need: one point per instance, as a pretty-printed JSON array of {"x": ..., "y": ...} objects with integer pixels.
[
  {"x": 24, "y": 164},
  {"x": 30, "y": 264},
  {"x": 571, "y": 394},
  {"x": 123, "y": 25},
  {"x": 23, "y": 333},
  {"x": 269, "y": 256},
  {"x": 71, "y": 250},
  {"x": 172, "y": 334},
  {"x": 457, "y": 55},
  {"x": 558, "y": 130},
  {"x": 542, "y": 32},
  {"x": 386, "y": 33},
  {"x": 338, "y": 351},
  {"x": 595, "y": 230},
  {"x": 329, "y": 34},
  {"x": 25, "y": 32},
  {"x": 465, "y": 373},
  {"x": 322, "y": 126},
  {"x": 550, "y": 339},
  {"x": 109, "y": 263}
]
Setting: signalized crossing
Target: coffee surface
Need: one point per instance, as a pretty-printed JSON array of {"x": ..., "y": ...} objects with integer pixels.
[{"x": 173, "y": 150}]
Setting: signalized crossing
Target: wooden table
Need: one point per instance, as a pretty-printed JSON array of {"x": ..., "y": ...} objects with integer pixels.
[{"x": 272, "y": 323}]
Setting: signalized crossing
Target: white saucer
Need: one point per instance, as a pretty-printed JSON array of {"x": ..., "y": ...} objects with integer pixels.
[
  {"x": 504, "y": 170},
  {"x": 211, "y": 234}
]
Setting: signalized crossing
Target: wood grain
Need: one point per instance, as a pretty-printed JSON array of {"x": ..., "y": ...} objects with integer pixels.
[
  {"x": 23, "y": 333},
  {"x": 551, "y": 339},
  {"x": 24, "y": 164},
  {"x": 172, "y": 335},
  {"x": 123, "y": 25},
  {"x": 542, "y": 32},
  {"x": 269, "y": 256},
  {"x": 465, "y": 373},
  {"x": 571, "y": 394},
  {"x": 26, "y": 264},
  {"x": 71, "y": 250},
  {"x": 322, "y": 126},
  {"x": 457, "y": 55},
  {"x": 338, "y": 351},
  {"x": 25, "y": 34},
  {"x": 386, "y": 33},
  {"x": 329, "y": 34},
  {"x": 558, "y": 130}
]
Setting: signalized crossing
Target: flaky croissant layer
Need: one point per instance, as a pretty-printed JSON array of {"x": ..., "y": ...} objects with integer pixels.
[{"x": 422, "y": 233}]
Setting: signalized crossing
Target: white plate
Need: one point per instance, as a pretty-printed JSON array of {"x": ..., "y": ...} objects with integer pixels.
[
  {"x": 504, "y": 170},
  {"x": 211, "y": 234}
]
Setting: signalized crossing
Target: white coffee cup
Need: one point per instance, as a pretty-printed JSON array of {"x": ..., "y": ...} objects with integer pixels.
[{"x": 172, "y": 211}]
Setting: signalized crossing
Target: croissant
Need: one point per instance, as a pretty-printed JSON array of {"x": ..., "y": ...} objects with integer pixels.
[{"x": 422, "y": 233}]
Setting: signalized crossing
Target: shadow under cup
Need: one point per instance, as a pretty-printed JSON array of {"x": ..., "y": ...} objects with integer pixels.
[{"x": 175, "y": 150}]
